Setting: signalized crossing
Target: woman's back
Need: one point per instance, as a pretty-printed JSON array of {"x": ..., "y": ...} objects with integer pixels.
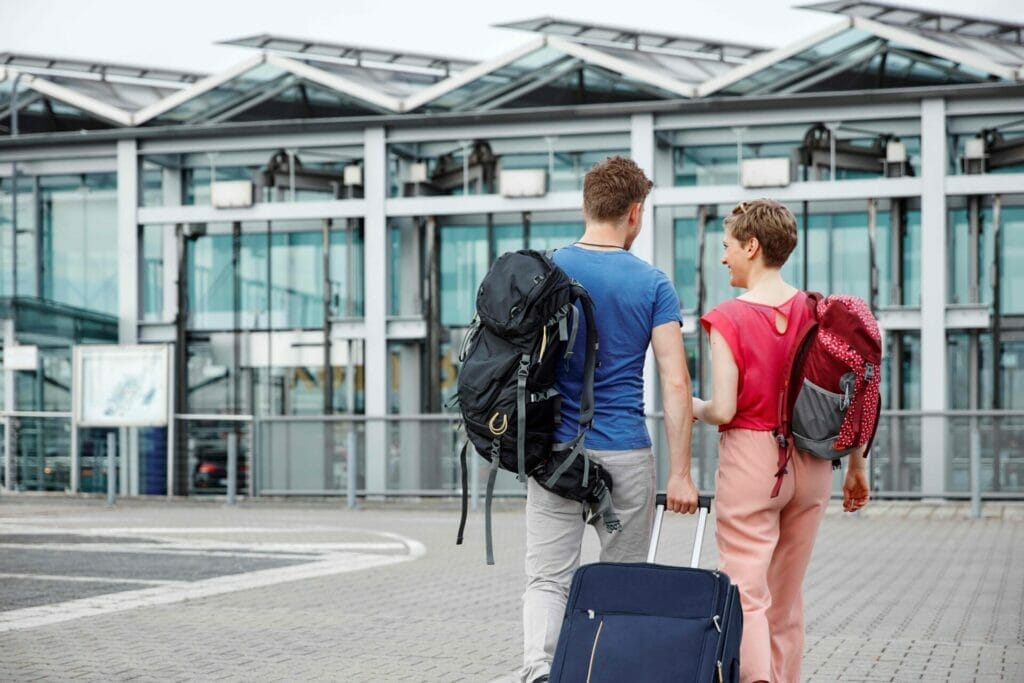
[{"x": 761, "y": 337}]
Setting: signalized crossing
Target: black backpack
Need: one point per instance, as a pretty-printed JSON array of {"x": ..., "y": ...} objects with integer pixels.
[{"x": 525, "y": 323}]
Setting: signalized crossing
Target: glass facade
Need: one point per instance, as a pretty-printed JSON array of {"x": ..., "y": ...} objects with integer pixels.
[
  {"x": 261, "y": 301},
  {"x": 467, "y": 254},
  {"x": 459, "y": 167},
  {"x": 282, "y": 291},
  {"x": 712, "y": 156},
  {"x": 300, "y": 174}
]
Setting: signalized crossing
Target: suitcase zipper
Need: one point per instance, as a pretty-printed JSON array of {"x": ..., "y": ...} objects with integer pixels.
[{"x": 593, "y": 649}]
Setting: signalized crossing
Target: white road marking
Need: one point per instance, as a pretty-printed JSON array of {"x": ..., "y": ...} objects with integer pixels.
[
  {"x": 334, "y": 561},
  {"x": 215, "y": 548},
  {"x": 87, "y": 579}
]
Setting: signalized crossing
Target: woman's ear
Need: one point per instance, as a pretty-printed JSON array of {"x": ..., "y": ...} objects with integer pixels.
[{"x": 752, "y": 247}]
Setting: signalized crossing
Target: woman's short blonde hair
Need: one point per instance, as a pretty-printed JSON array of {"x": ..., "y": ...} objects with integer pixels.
[{"x": 770, "y": 222}]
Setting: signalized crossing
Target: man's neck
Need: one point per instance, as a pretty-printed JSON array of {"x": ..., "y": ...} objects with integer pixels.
[{"x": 603, "y": 235}]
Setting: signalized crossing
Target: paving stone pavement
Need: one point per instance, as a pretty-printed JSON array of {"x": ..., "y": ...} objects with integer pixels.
[{"x": 900, "y": 592}]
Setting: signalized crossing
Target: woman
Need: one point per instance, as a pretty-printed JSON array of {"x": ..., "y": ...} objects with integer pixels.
[{"x": 764, "y": 541}]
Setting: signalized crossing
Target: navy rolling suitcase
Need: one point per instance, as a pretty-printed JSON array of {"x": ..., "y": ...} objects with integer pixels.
[{"x": 648, "y": 622}]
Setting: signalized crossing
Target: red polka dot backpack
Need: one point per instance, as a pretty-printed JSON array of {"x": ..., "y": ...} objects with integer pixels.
[{"x": 829, "y": 404}]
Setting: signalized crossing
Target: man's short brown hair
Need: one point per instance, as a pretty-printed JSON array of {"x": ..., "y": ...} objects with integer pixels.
[
  {"x": 612, "y": 186},
  {"x": 770, "y": 222}
]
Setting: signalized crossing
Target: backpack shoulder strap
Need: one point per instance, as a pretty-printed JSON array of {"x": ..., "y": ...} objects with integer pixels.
[
  {"x": 590, "y": 360},
  {"x": 790, "y": 380}
]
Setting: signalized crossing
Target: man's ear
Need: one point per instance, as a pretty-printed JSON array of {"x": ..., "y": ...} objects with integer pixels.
[{"x": 635, "y": 209}]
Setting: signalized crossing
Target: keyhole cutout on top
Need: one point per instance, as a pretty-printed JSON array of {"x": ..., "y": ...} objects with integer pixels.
[{"x": 781, "y": 322}]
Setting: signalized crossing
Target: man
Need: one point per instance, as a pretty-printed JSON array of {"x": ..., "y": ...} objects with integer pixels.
[{"x": 635, "y": 306}]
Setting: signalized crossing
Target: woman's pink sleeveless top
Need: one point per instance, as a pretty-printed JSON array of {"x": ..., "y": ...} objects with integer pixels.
[{"x": 761, "y": 353}]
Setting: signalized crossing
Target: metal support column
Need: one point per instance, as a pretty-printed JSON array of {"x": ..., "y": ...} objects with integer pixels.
[
  {"x": 177, "y": 470},
  {"x": 933, "y": 296},
  {"x": 641, "y": 142},
  {"x": 10, "y": 404},
  {"x": 375, "y": 288},
  {"x": 974, "y": 436},
  {"x": 328, "y": 369},
  {"x": 232, "y": 463},
  {"x": 111, "y": 467},
  {"x": 432, "y": 279},
  {"x": 997, "y": 336}
]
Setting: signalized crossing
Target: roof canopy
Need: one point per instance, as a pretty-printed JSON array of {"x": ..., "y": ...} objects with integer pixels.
[{"x": 874, "y": 45}]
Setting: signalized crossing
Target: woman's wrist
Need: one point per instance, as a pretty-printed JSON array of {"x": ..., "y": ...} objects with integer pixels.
[{"x": 856, "y": 464}]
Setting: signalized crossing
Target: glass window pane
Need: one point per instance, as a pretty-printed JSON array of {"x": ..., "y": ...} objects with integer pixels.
[
  {"x": 464, "y": 262},
  {"x": 685, "y": 271},
  {"x": 152, "y": 272},
  {"x": 79, "y": 223},
  {"x": 1011, "y": 253},
  {"x": 912, "y": 259},
  {"x": 544, "y": 236}
]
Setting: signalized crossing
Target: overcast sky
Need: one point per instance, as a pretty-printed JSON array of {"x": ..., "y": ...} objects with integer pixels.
[{"x": 181, "y": 33}]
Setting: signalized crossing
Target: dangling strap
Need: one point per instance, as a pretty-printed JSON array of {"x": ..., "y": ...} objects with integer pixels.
[
  {"x": 604, "y": 509},
  {"x": 784, "y": 455},
  {"x": 465, "y": 493},
  {"x": 521, "y": 375},
  {"x": 491, "y": 476}
]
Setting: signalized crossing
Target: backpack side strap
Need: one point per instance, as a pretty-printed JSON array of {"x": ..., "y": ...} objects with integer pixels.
[{"x": 590, "y": 361}]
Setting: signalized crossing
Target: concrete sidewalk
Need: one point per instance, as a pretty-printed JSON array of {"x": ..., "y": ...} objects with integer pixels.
[{"x": 296, "y": 590}]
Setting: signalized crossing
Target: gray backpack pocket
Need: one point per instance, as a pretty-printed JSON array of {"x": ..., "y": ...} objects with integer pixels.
[{"x": 817, "y": 417}]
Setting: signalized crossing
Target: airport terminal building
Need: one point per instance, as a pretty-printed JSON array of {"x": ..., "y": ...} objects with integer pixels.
[{"x": 299, "y": 238}]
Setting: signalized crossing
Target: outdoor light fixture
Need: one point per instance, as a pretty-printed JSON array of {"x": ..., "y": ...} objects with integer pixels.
[
  {"x": 523, "y": 182},
  {"x": 768, "y": 172},
  {"x": 231, "y": 194}
]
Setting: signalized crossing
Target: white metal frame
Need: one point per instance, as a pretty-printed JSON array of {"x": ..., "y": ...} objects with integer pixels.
[{"x": 90, "y": 105}]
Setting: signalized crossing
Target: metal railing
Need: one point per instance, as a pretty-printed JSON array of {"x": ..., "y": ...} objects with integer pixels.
[{"x": 418, "y": 456}]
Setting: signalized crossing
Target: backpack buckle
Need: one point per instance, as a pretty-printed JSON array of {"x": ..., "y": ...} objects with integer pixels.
[{"x": 781, "y": 440}]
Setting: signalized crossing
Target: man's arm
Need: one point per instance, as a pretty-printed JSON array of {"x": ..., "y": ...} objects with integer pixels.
[{"x": 678, "y": 409}]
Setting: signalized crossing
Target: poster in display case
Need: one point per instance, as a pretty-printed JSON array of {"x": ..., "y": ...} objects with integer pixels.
[{"x": 122, "y": 386}]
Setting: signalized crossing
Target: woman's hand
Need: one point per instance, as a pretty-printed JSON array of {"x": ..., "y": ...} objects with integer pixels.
[
  {"x": 698, "y": 409},
  {"x": 855, "y": 486}
]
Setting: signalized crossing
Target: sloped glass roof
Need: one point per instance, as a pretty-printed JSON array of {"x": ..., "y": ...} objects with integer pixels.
[
  {"x": 546, "y": 76},
  {"x": 855, "y": 59},
  {"x": 998, "y": 40},
  {"x": 932, "y": 21},
  {"x": 264, "y": 92},
  {"x": 875, "y": 46},
  {"x": 684, "y": 69},
  {"x": 38, "y": 113},
  {"x": 393, "y": 73},
  {"x": 355, "y": 55},
  {"x": 637, "y": 40},
  {"x": 302, "y": 100},
  {"x": 37, "y": 63},
  {"x": 498, "y": 81}
]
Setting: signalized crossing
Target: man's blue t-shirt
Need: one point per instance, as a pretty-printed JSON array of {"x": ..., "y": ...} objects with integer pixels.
[{"x": 631, "y": 298}]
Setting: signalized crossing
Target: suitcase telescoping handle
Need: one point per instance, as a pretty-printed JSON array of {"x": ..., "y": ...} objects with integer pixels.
[{"x": 703, "y": 509}]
